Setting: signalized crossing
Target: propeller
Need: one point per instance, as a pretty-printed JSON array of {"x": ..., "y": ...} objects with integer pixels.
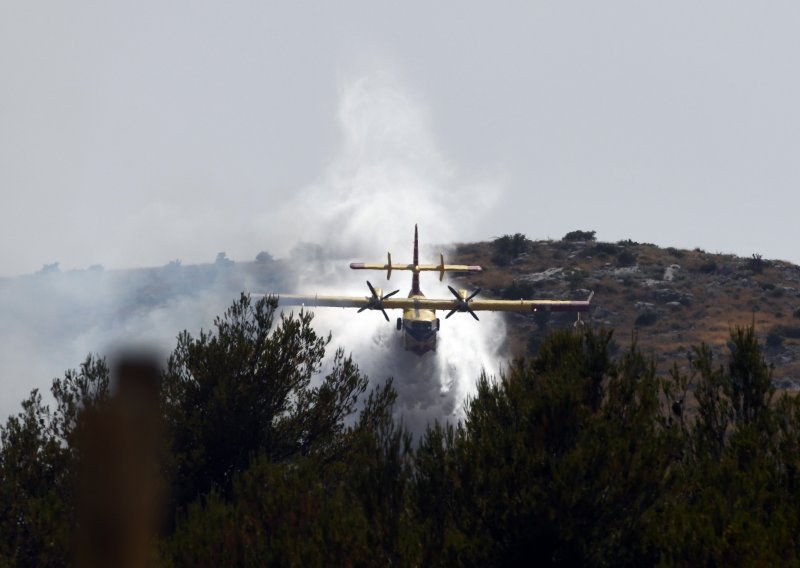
[
  {"x": 462, "y": 304},
  {"x": 376, "y": 301}
]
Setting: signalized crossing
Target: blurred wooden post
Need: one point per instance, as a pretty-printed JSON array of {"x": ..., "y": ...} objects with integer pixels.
[{"x": 119, "y": 487}]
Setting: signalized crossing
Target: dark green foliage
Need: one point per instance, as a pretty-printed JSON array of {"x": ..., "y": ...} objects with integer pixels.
[
  {"x": 732, "y": 502},
  {"x": 246, "y": 390},
  {"x": 580, "y": 236},
  {"x": 774, "y": 338},
  {"x": 534, "y": 475},
  {"x": 263, "y": 257},
  {"x": 535, "y": 340},
  {"x": 756, "y": 263},
  {"x": 779, "y": 332},
  {"x": 677, "y": 253},
  {"x": 519, "y": 290},
  {"x": 605, "y": 248},
  {"x": 580, "y": 455},
  {"x": 792, "y": 331},
  {"x": 346, "y": 506},
  {"x": 749, "y": 375},
  {"x": 575, "y": 277},
  {"x": 708, "y": 267},
  {"x": 37, "y": 467},
  {"x": 509, "y": 247},
  {"x": 33, "y": 480},
  {"x": 626, "y": 258},
  {"x": 222, "y": 260},
  {"x": 541, "y": 318},
  {"x": 648, "y": 317}
]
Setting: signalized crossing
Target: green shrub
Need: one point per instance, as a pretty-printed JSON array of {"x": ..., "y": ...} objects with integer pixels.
[
  {"x": 777, "y": 334},
  {"x": 607, "y": 248},
  {"x": 263, "y": 257},
  {"x": 626, "y": 258},
  {"x": 509, "y": 247},
  {"x": 648, "y": 317},
  {"x": 519, "y": 289},
  {"x": 774, "y": 339},
  {"x": 708, "y": 267},
  {"x": 756, "y": 263},
  {"x": 575, "y": 278},
  {"x": 675, "y": 252},
  {"x": 580, "y": 236},
  {"x": 791, "y": 331}
]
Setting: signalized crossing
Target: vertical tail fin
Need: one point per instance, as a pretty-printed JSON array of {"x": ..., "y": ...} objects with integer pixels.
[{"x": 415, "y": 278}]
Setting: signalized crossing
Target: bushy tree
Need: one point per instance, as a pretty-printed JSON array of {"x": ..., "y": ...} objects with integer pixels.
[
  {"x": 246, "y": 389},
  {"x": 345, "y": 506},
  {"x": 626, "y": 258},
  {"x": 509, "y": 247},
  {"x": 38, "y": 457},
  {"x": 572, "y": 457},
  {"x": 580, "y": 236}
]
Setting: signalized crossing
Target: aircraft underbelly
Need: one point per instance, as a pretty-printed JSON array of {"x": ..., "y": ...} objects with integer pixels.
[
  {"x": 420, "y": 331},
  {"x": 418, "y": 343}
]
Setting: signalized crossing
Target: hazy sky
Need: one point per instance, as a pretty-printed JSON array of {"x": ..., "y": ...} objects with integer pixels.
[{"x": 135, "y": 133}]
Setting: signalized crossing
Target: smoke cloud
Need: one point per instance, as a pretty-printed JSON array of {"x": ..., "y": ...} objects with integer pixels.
[{"x": 387, "y": 175}]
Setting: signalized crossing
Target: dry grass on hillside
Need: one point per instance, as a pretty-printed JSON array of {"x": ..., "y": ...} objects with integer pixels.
[{"x": 708, "y": 295}]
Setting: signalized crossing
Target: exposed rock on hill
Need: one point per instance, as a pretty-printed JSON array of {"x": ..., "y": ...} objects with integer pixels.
[{"x": 669, "y": 299}]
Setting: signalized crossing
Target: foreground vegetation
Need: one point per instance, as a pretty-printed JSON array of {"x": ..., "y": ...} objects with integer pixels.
[{"x": 575, "y": 456}]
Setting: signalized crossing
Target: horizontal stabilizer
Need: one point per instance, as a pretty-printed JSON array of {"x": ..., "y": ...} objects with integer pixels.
[{"x": 440, "y": 268}]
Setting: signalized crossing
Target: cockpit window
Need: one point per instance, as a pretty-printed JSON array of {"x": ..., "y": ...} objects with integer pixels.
[{"x": 422, "y": 331}]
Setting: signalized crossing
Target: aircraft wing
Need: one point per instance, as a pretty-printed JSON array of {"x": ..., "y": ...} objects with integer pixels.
[
  {"x": 319, "y": 301},
  {"x": 491, "y": 305},
  {"x": 530, "y": 305},
  {"x": 436, "y": 304}
]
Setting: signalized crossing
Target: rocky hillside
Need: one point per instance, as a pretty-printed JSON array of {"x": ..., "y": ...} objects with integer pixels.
[{"x": 669, "y": 299}]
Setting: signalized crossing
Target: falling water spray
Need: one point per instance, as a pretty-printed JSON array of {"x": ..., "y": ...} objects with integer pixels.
[{"x": 387, "y": 177}]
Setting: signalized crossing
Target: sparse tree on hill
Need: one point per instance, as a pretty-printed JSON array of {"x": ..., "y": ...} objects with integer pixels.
[
  {"x": 509, "y": 247},
  {"x": 580, "y": 236}
]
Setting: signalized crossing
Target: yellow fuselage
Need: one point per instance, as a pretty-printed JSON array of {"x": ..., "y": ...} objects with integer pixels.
[{"x": 419, "y": 328}]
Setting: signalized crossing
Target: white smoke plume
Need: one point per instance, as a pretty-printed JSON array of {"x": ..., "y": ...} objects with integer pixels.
[
  {"x": 52, "y": 320},
  {"x": 387, "y": 177}
]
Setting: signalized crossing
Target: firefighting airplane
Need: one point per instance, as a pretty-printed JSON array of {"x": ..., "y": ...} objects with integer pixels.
[{"x": 419, "y": 321}]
